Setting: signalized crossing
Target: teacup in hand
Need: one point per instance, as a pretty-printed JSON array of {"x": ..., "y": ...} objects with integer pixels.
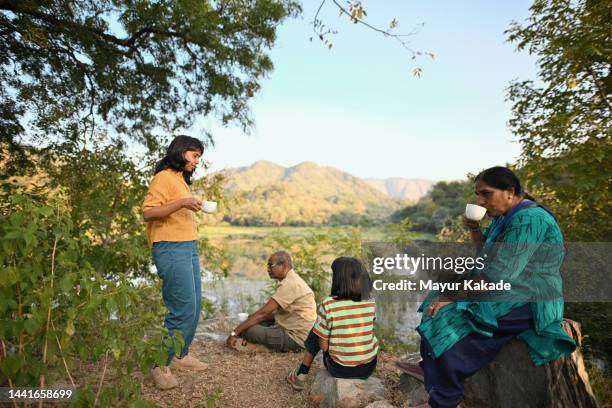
[
  {"x": 209, "y": 206},
  {"x": 474, "y": 212}
]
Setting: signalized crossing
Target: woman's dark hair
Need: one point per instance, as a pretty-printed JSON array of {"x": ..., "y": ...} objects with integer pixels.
[
  {"x": 350, "y": 279},
  {"x": 174, "y": 155},
  {"x": 502, "y": 178}
]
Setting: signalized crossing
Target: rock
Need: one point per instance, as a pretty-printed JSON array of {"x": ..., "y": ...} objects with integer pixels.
[
  {"x": 513, "y": 380},
  {"x": 413, "y": 390},
  {"x": 329, "y": 392},
  {"x": 380, "y": 404}
]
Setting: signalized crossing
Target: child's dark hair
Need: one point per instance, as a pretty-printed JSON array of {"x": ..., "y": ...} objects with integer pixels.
[
  {"x": 350, "y": 279},
  {"x": 174, "y": 155},
  {"x": 502, "y": 178}
]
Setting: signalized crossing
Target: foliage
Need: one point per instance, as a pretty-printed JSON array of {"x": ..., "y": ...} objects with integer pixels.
[
  {"x": 216, "y": 257},
  {"x": 104, "y": 194},
  {"x": 59, "y": 313},
  {"x": 357, "y": 14},
  {"x": 389, "y": 342},
  {"x": 212, "y": 188},
  {"x": 130, "y": 67},
  {"x": 314, "y": 252},
  {"x": 453, "y": 231},
  {"x": 444, "y": 202},
  {"x": 563, "y": 126},
  {"x": 602, "y": 385},
  {"x": 306, "y": 194},
  {"x": 563, "y": 123},
  {"x": 400, "y": 233},
  {"x": 98, "y": 316}
]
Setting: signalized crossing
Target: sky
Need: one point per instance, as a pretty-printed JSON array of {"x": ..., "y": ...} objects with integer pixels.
[{"x": 358, "y": 107}]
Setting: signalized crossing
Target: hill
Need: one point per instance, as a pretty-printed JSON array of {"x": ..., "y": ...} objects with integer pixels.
[
  {"x": 402, "y": 188},
  {"x": 305, "y": 194}
]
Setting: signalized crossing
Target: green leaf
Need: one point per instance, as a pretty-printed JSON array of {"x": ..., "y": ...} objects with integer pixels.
[
  {"x": 11, "y": 365},
  {"x": 13, "y": 235},
  {"x": 141, "y": 404},
  {"x": 32, "y": 326},
  {"x": 66, "y": 283}
]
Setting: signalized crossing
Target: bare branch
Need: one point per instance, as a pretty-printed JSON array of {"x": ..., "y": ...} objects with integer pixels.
[{"x": 386, "y": 33}]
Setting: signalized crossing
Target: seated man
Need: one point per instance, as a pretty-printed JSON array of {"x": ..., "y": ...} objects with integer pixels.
[{"x": 284, "y": 322}]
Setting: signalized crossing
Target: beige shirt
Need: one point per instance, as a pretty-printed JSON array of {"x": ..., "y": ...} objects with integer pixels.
[{"x": 298, "y": 310}]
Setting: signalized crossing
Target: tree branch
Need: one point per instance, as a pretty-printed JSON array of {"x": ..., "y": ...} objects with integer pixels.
[
  {"x": 598, "y": 86},
  {"x": 101, "y": 380},
  {"x": 20, "y": 8},
  {"x": 397, "y": 37}
]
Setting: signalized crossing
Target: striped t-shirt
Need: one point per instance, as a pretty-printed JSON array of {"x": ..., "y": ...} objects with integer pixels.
[{"x": 349, "y": 328}]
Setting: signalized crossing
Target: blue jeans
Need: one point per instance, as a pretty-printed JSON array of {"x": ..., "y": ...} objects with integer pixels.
[{"x": 178, "y": 265}]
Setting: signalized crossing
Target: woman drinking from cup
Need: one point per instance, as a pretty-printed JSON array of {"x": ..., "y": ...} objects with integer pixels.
[
  {"x": 172, "y": 234},
  {"x": 462, "y": 331}
]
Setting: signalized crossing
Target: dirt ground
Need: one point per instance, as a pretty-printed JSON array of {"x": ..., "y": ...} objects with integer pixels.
[{"x": 248, "y": 379}]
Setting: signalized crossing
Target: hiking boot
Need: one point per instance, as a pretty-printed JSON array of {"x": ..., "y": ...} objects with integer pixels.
[
  {"x": 411, "y": 367},
  {"x": 188, "y": 363},
  {"x": 296, "y": 380},
  {"x": 163, "y": 377}
]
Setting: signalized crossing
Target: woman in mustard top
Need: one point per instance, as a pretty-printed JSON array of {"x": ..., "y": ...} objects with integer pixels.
[{"x": 171, "y": 232}]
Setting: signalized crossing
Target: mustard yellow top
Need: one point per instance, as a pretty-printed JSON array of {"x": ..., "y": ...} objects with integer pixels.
[{"x": 168, "y": 186}]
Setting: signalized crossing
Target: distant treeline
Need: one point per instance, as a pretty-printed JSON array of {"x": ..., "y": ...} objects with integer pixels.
[
  {"x": 445, "y": 201},
  {"x": 290, "y": 207}
]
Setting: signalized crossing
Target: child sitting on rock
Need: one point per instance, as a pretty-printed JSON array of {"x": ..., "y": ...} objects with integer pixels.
[{"x": 344, "y": 328}]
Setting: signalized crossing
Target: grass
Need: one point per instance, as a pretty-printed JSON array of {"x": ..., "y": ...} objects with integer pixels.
[{"x": 226, "y": 231}]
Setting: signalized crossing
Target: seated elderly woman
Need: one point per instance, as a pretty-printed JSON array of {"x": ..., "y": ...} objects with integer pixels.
[{"x": 462, "y": 331}]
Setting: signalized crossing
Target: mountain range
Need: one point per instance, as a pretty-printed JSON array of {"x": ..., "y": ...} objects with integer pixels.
[
  {"x": 311, "y": 194},
  {"x": 402, "y": 188}
]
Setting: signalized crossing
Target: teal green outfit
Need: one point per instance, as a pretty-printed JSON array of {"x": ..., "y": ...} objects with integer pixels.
[{"x": 526, "y": 250}]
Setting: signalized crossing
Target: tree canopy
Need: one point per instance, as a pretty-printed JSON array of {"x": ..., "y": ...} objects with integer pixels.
[
  {"x": 563, "y": 120},
  {"x": 69, "y": 69},
  {"x": 442, "y": 204}
]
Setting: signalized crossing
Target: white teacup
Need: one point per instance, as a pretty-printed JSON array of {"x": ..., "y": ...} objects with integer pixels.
[
  {"x": 242, "y": 316},
  {"x": 475, "y": 212},
  {"x": 209, "y": 206}
]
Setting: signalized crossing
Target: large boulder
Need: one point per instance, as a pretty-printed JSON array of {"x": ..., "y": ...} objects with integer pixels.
[
  {"x": 329, "y": 392},
  {"x": 512, "y": 380}
]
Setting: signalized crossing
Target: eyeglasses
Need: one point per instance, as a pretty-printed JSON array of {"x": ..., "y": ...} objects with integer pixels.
[{"x": 272, "y": 265}]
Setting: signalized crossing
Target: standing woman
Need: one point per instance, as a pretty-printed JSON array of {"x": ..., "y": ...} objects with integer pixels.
[{"x": 172, "y": 234}]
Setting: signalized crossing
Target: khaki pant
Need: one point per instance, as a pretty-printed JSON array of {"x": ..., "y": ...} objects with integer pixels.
[{"x": 272, "y": 336}]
